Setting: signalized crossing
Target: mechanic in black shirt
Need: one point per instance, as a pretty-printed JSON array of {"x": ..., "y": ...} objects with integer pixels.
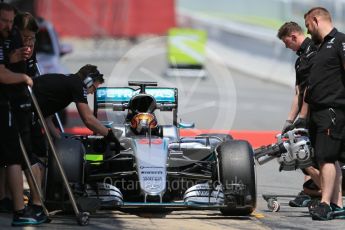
[
  {"x": 23, "y": 38},
  {"x": 293, "y": 37},
  {"x": 22, "y": 60},
  {"x": 54, "y": 92},
  {"x": 12, "y": 119},
  {"x": 326, "y": 98}
]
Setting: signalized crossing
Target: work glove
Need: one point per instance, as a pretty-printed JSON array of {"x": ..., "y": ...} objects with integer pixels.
[
  {"x": 113, "y": 141},
  {"x": 287, "y": 126},
  {"x": 300, "y": 123}
]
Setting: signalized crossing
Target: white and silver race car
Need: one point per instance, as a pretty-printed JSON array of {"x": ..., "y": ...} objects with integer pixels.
[{"x": 157, "y": 169}]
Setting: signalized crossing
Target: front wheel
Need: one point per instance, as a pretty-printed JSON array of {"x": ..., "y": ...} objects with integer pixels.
[{"x": 237, "y": 174}]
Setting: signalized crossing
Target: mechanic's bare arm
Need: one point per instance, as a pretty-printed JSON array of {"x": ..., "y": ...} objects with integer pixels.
[
  {"x": 90, "y": 120},
  {"x": 305, "y": 107},
  {"x": 52, "y": 129},
  {"x": 294, "y": 107},
  {"x": 8, "y": 77}
]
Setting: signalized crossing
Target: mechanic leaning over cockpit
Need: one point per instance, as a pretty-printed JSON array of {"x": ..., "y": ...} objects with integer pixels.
[{"x": 54, "y": 92}]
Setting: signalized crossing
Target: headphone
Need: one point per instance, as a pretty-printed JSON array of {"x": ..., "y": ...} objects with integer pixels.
[
  {"x": 88, "y": 81},
  {"x": 90, "y": 78}
]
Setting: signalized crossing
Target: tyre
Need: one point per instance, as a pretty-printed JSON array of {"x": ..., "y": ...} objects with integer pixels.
[
  {"x": 237, "y": 174},
  {"x": 71, "y": 156}
]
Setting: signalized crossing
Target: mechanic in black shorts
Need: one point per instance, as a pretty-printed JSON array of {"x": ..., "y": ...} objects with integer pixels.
[
  {"x": 55, "y": 92},
  {"x": 14, "y": 121},
  {"x": 293, "y": 37},
  {"x": 326, "y": 98},
  {"x": 22, "y": 60}
]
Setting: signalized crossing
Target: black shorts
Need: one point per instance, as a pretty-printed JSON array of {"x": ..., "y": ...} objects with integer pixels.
[
  {"x": 39, "y": 145},
  {"x": 13, "y": 123},
  {"x": 327, "y": 132}
]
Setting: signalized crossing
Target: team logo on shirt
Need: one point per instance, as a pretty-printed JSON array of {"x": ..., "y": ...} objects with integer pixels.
[
  {"x": 85, "y": 92},
  {"x": 343, "y": 43},
  {"x": 329, "y": 44},
  {"x": 7, "y": 44},
  {"x": 311, "y": 53},
  {"x": 331, "y": 41}
]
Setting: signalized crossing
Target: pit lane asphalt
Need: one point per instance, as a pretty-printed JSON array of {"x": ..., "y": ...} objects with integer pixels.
[{"x": 258, "y": 105}]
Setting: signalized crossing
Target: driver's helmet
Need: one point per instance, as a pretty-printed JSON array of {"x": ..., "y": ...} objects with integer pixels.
[{"x": 143, "y": 121}]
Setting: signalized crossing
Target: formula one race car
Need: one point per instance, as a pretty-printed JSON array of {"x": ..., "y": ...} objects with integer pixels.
[{"x": 157, "y": 169}]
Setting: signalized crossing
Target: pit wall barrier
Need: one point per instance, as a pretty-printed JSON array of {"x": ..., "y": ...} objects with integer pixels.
[{"x": 119, "y": 18}]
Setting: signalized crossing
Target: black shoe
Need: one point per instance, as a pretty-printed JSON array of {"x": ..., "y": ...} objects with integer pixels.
[
  {"x": 338, "y": 212},
  {"x": 39, "y": 212},
  {"x": 28, "y": 216},
  {"x": 301, "y": 200},
  {"x": 6, "y": 205},
  {"x": 312, "y": 204},
  {"x": 322, "y": 212}
]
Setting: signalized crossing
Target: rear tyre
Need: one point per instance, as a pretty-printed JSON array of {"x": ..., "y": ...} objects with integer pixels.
[
  {"x": 71, "y": 156},
  {"x": 237, "y": 174}
]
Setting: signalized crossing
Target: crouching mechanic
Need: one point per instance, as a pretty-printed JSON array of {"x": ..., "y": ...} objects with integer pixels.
[
  {"x": 293, "y": 37},
  {"x": 54, "y": 92}
]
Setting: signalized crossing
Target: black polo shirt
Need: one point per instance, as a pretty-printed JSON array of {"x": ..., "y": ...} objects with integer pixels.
[
  {"x": 4, "y": 50},
  {"x": 327, "y": 76},
  {"x": 29, "y": 66},
  {"x": 3, "y": 99},
  {"x": 304, "y": 63},
  {"x": 54, "y": 92},
  {"x": 18, "y": 94}
]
